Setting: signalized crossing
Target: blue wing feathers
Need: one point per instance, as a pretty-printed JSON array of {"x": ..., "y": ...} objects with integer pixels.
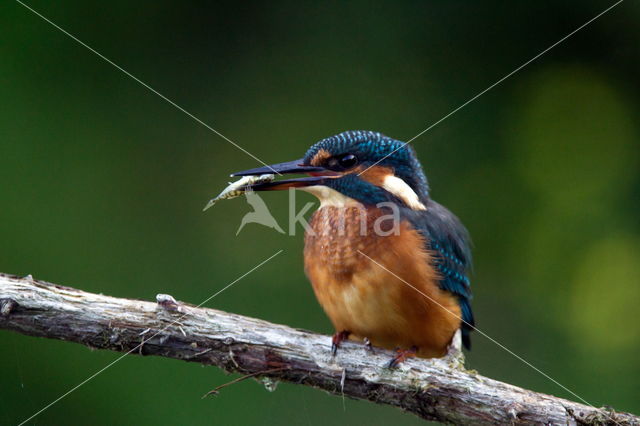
[{"x": 447, "y": 238}]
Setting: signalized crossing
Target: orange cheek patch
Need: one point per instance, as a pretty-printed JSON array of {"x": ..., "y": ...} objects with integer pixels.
[
  {"x": 375, "y": 174},
  {"x": 320, "y": 157}
]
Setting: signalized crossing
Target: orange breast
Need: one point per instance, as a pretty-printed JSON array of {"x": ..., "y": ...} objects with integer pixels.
[{"x": 365, "y": 299}]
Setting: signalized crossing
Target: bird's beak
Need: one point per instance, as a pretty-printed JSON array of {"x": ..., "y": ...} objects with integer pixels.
[
  {"x": 295, "y": 166},
  {"x": 318, "y": 174}
]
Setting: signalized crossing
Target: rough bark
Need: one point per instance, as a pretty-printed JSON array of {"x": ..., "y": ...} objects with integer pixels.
[{"x": 437, "y": 389}]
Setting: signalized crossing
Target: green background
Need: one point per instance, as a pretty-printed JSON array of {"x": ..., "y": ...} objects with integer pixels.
[{"x": 103, "y": 182}]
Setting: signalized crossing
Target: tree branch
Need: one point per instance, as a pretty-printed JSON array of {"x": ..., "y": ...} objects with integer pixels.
[{"x": 436, "y": 389}]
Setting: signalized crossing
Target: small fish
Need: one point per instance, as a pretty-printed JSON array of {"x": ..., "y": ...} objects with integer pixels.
[{"x": 239, "y": 187}]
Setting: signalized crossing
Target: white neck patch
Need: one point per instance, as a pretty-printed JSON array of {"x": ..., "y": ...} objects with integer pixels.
[
  {"x": 330, "y": 197},
  {"x": 400, "y": 189}
]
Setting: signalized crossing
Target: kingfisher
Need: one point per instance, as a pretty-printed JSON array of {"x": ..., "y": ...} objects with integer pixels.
[{"x": 388, "y": 264}]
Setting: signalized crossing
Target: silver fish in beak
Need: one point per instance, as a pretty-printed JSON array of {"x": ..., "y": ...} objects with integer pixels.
[{"x": 240, "y": 187}]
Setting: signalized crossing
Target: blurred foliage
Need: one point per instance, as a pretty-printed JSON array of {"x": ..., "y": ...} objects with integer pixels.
[{"x": 103, "y": 182}]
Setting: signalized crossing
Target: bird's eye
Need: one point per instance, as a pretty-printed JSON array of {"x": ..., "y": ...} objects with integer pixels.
[{"x": 348, "y": 160}]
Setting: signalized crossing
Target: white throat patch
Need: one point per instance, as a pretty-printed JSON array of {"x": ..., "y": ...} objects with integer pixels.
[
  {"x": 403, "y": 191},
  {"x": 330, "y": 197}
]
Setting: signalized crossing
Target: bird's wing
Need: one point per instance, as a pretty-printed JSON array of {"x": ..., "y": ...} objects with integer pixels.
[{"x": 449, "y": 241}]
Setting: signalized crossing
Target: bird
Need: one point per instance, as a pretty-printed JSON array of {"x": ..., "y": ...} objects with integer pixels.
[{"x": 389, "y": 265}]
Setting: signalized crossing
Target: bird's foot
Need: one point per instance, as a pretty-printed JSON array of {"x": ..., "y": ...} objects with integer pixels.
[
  {"x": 402, "y": 355},
  {"x": 338, "y": 338}
]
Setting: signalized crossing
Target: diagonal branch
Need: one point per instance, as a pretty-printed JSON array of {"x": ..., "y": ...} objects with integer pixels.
[{"x": 432, "y": 389}]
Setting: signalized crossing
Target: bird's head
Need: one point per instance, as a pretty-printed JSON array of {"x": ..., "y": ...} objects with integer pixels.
[{"x": 354, "y": 166}]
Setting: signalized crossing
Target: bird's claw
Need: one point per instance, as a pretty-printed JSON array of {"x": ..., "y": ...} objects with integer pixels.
[
  {"x": 338, "y": 338},
  {"x": 401, "y": 356}
]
